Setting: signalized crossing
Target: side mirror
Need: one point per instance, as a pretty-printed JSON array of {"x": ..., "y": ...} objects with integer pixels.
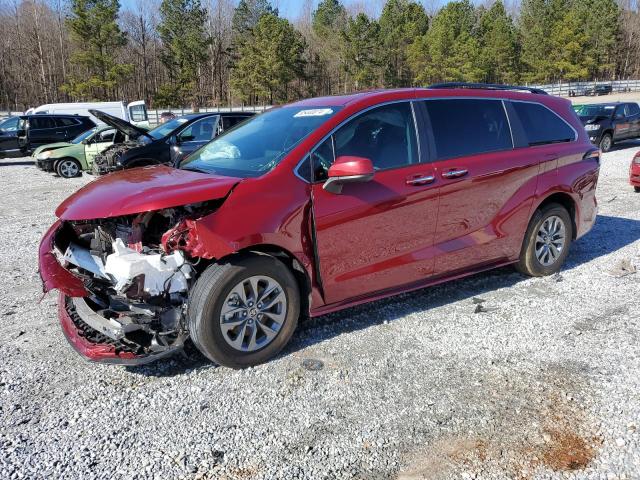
[{"x": 347, "y": 169}]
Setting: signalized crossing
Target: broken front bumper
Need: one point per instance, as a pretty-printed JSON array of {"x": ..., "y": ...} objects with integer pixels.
[
  {"x": 93, "y": 336},
  {"x": 78, "y": 328}
]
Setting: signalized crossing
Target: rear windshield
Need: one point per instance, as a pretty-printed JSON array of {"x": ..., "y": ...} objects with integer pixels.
[{"x": 259, "y": 144}]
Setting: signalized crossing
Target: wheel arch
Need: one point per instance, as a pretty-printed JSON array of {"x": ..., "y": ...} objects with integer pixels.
[
  {"x": 290, "y": 260},
  {"x": 567, "y": 201}
]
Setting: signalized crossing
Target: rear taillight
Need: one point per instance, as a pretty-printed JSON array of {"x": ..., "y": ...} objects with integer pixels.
[{"x": 592, "y": 155}]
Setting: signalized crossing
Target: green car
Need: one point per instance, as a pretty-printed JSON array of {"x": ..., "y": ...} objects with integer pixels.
[{"x": 68, "y": 159}]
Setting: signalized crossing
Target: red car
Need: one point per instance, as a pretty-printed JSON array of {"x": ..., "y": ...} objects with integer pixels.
[
  {"x": 315, "y": 207},
  {"x": 634, "y": 172}
]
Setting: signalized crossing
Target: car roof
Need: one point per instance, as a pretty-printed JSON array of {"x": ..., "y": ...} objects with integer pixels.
[
  {"x": 382, "y": 95},
  {"x": 54, "y": 115}
]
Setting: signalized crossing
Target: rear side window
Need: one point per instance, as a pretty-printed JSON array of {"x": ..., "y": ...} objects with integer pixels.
[
  {"x": 230, "y": 122},
  {"x": 541, "y": 125},
  {"x": 467, "y": 127},
  {"x": 41, "y": 122},
  {"x": 634, "y": 109},
  {"x": 66, "y": 122}
]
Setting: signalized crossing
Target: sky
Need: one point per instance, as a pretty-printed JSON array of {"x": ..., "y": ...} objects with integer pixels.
[{"x": 292, "y": 9}]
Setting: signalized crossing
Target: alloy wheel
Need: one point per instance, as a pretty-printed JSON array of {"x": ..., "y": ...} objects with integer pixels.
[
  {"x": 68, "y": 168},
  {"x": 253, "y": 313},
  {"x": 550, "y": 240}
]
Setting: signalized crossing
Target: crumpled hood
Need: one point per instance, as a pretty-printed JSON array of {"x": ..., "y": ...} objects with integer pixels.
[
  {"x": 50, "y": 146},
  {"x": 141, "y": 190}
]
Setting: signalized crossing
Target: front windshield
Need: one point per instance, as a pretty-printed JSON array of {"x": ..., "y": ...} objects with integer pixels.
[
  {"x": 165, "y": 129},
  {"x": 594, "y": 110},
  {"x": 83, "y": 136},
  {"x": 9, "y": 124},
  {"x": 259, "y": 144}
]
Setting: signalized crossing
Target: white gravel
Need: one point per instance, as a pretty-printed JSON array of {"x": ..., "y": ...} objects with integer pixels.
[{"x": 543, "y": 384}]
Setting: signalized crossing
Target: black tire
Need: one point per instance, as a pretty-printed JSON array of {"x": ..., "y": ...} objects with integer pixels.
[
  {"x": 528, "y": 264},
  {"x": 68, "y": 168},
  {"x": 636, "y": 189},
  {"x": 606, "y": 142},
  {"x": 208, "y": 295}
]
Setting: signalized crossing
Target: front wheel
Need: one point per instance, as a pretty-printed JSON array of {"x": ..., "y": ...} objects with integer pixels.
[
  {"x": 68, "y": 168},
  {"x": 244, "y": 311},
  {"x": 547, "y": 241},
  {"x": 606, "y": 142}
]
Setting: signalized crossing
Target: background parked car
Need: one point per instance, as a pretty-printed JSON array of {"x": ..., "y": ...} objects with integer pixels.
[
  {"x": 166, "y": 144},
  {"x": 35, "y": 130},
  {"x": 68, "y": 159},
  {"x": 634, "y": 172},
  {"x": 166, "y": 116},
  {"x": 607, "y": 123},
  {"x": 603, "y": 89}
]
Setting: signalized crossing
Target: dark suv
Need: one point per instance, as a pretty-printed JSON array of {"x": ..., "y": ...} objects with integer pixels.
[
  {"x": 31, "y": 131},
  {"x": 314, "y": 207},
  {"x": 607, "y": 123},
  {"x": 167, "y": 144}
]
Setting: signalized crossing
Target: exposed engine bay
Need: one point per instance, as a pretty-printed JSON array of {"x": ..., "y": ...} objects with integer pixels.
[
  {"x": 137, "y": 277},
  {"x": 107, "y": 160}
]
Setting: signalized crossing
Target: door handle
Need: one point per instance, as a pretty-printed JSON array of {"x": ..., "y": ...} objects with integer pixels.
[
  {"x": 456, "y": 173},
  {"x": 420, "y": 180}
]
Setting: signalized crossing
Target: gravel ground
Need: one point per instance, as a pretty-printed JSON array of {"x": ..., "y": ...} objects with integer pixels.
[{"x": 540, "y": 381}]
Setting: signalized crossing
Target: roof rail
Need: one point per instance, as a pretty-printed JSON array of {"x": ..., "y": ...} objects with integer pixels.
[{"x": 488, "y": 86}]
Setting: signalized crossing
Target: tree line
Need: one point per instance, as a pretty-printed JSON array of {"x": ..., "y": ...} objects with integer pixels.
[{"x": 175, "y": 53}]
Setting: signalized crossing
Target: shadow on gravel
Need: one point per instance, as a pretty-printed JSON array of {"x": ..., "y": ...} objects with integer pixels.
[
  {"x": 16, "y": 163},
  {"x": 608, "y": 235}
]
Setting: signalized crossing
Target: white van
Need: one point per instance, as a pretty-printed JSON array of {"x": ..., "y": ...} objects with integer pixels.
[{"x": 134, "y": 112}]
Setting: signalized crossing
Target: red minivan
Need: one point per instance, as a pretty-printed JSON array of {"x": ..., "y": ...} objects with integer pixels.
[{"x": 314, "y": 207}]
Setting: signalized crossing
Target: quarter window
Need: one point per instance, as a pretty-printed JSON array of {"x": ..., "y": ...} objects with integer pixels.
[
  {"x": 467, "y": 127},
  {"x": 66, "y": 122},
  {"x": 541, "y": 125},
  {"x": 634, "y": 109}
]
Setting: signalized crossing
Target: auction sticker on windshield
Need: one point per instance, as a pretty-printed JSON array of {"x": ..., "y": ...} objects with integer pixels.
[{"x": 315, "y": 112}]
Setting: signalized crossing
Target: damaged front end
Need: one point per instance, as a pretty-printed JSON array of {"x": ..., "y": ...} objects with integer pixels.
[
  {"x": 107, "y": 161},
  {"x": 123, "y": 293}
]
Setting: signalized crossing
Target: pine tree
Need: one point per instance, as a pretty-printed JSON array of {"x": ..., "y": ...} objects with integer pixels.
[
  {"x": 329, "y": 24},
  {"x": 401, "y": 22},
  {"x": 269, "y": 63},
  {"x": 361, "y": 51},
  {"x": 184, "y": 41},
  {"x": 535, "y": 24},
  {"x": 499, "y": 46},
  {"x": 601, "y": 21},
  {"x": 98, "y": 38},
  {"x": 449, "y": 51}
]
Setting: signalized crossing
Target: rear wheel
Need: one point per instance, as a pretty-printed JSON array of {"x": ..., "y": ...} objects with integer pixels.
[
  {"x": 606, "y": 142},
  {"x": 547, "y": 241},
  {"x": 68, "y": 168},
  {"x": 243, "y": 312},
  {"x": 636, "y": 189}
]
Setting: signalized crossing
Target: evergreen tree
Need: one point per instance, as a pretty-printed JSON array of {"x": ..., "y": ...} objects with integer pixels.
[
  {"x": 536, "y": 22},
  {"x": 449, "y": 51},
  {"x": 185, "y": 42},
  {"x": 401, "y": 22},
  {"x": 568, "y": 58},
  {"x": 499, "y": 45},
  {"x": 269, "y": 63},
  {"x": 600, "y": 20},
  {"x": 329, "y": 24},
  {"x": 361, "y": 51},
  {"x": 98, "y": 38}
]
